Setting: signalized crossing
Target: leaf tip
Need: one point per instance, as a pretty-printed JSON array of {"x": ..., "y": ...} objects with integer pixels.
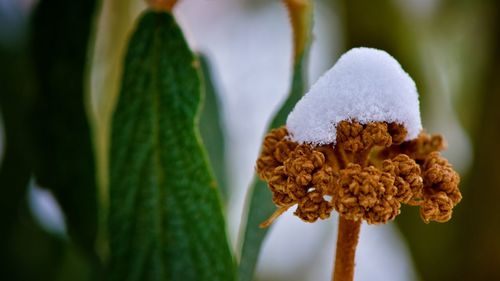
[{"x": 299, "y": 12}]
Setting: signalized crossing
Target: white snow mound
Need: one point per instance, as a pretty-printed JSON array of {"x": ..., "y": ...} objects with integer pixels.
[{"x": 366, "y": 85}]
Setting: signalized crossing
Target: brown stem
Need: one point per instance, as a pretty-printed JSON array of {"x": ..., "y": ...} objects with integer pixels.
[
  {"x": 362, "y": 158},
  {"x": 348, "y": 230},
  {"x": 275, "y": 215},
  {"x": 347, "y": 240},
  {"x": 161, "y": 5},
  {"x": 342, "y": 156}
]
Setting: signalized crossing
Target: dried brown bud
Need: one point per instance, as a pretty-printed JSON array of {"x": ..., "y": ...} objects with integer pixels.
[
  {"x": 376, "y": 133},
  {"x": 313, "y": 207},
  {"x": 282, "y": 199},
  {"x": 440, "y": 193},
  {"x": 295, "y": 190},
  {"x": 407, "y": 177},
  {"x": 398, "y": 133},
  {"x": 323, "y": 180},
  {"x": 290, "y": 169},
  {"x": 349, "y": 135},
  {"x": 275, "y": 150},
  {"x": 278, "y": 179},
  {"x": 425, "y": 144},
  {"x": 366, "y": 193},
  {"x": 436, "y": 207},
  {"x": 355, "y": 137}
]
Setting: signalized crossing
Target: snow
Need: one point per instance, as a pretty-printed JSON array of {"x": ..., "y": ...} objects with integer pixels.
[{"x": 366, "y": 85}]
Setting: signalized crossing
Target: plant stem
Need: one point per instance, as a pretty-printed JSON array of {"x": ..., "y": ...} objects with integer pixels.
[
  {"x": 161, "y": 5},
  {"x": 347, "y": 240},
  {"x": 275, "y": 215}
]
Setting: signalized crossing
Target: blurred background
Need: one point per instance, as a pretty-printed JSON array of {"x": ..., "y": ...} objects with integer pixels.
[{"x": 450, "y": 48}]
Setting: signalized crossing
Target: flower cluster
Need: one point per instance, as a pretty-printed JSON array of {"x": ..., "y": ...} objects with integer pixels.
[
  {"x": 367, "y": 175},
  {"x": 296, "y": 174}
]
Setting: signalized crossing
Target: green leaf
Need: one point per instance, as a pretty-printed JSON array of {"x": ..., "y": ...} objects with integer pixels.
[
  {"x": 211, "y": 129},
  {"x": 259, "y": 199},
  {"x": 165, "y": 219},
  {"x": 15, "y": 170},
  {"x": 63, "y": 158},
  {"x": 28, "y": 251},
  {"x": 260, "y": 207}
]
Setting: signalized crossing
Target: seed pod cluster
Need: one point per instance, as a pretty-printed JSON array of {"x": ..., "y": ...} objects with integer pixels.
[{"x": 366, "y": 175}]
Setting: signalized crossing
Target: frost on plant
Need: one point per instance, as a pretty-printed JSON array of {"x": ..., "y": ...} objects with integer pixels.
[
  {"x": 355, "y": 144},
  {"x": 365, "y": 85}
]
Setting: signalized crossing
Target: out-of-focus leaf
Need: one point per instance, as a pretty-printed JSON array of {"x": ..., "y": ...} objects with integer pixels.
[
  {"x": 15, "y": 170},
  {"x": 211, "y": 129},
  {"x": 165, "y": 219},
  {"x": 259, "y": 199},
  {"x": 477, "y": 248},
  {"x": 63, "y": 157},
  {"x": 260, "y": 205},
  {"x": 28, "y": 252},
  {"x": 15, "y": 104}
]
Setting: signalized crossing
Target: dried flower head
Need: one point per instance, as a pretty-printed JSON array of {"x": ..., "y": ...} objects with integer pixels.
[
  {"x": 363, "y": 157},
  {"x": 362, "y": 175}
]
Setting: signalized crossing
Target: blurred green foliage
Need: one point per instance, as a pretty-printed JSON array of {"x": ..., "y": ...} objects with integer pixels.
[
  {"x": 63, "y": 152},
  {"x": 212, "y": 129},
  {"x": 48, "y": 137}
]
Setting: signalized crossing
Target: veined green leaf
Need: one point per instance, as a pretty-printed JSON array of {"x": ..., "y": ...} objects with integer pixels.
[
  {"x": 211, "y": 129},
  {"x": 259, "y": 199},
  {"x": 165, "y": 219}
]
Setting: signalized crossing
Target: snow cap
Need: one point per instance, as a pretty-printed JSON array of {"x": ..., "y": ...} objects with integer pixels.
[{"x": 366, "y": 85}]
